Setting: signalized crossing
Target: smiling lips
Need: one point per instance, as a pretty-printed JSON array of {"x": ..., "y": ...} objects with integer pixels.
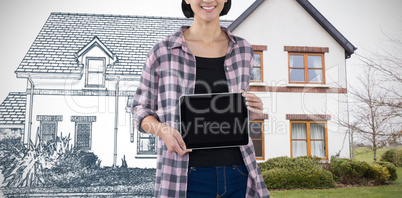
[{"x": 208, "y": 8}]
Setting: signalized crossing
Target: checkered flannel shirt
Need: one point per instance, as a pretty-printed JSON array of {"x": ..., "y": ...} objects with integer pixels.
[{"x": 169, "y": 72}]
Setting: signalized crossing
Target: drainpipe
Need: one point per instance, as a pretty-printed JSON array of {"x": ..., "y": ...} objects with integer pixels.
[
  {"x": 116, "y": 121},
  {"x": 30, "y": 110}
]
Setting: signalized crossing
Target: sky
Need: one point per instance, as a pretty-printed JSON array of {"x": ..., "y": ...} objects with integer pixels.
[{"x": 362, "y": 22}]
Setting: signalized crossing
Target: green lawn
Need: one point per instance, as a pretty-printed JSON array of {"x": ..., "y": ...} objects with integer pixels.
[
  {"x": 366, "y": 154},
  {"x": 392, "y": 190}
]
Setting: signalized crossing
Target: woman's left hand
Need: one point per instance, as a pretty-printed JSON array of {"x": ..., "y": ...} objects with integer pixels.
[{"x": 253, "y": 102}]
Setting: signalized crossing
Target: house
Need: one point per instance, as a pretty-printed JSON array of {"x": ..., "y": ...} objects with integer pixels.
[
  {"x": 300, "y": 74},
  {"x": 83, "y": 69}
]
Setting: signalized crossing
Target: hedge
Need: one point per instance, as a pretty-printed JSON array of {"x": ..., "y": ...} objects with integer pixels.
[
  {"x": 291, "y": 173},
  {"x": 347, "y": 171},
  {"x": 391, "y": 169},
  {"x": 393, "y": 156}
]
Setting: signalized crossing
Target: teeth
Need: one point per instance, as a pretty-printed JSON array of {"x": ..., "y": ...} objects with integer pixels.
[{"x": 208, "y": 8}]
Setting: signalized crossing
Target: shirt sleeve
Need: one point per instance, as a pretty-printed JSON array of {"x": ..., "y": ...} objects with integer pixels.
[
  {"x": 145, "y": 101},
  {"x": 250, "y": 67}
]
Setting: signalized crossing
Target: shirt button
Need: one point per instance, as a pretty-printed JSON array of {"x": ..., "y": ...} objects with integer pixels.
[
  {"x": 231, "y": 90},
  {"x": 227, "y": 68}
]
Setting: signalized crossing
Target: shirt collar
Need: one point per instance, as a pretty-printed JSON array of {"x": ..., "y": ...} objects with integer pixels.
[{"x": 177, "y": 39}]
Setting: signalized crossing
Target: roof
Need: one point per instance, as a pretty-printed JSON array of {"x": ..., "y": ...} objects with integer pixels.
[
  {"x": 349, "y": 48},
  {"x": 12, "y": 109},
  {"x": 64, "y": 35}
]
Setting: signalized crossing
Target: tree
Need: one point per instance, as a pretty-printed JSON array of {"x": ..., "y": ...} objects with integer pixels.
[
  {"x": 376, "y": 103},
  {"x": 387, "y": 65},
  {"x": 373, "y": 121}
]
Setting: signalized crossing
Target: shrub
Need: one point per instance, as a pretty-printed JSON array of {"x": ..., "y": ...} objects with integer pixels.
[
  {"x": 24, "y": 167},
  {"x": 74, "y": 169},
  {"x": 378, "y": 173},
  {"x": 304, "y": 162},
  {"x": 391, "y": 169},
  {"x": 290, "y": 173},
  {"x": 348, "y": 171},
  {"x": 389, "y": 156}
]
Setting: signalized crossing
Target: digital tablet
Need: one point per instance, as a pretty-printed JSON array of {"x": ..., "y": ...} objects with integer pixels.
[{"x": 214, "y": 120}]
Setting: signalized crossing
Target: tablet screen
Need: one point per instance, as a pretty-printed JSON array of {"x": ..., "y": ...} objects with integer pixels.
[{"x": 213, "y": 120}]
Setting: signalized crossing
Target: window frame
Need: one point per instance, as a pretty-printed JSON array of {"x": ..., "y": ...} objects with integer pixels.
[
  {"x": 306, "y": 68},
  {"x": 262, "y": 139},
  {"x": 149, "y": 137},
  {"x": 48, "y": 122},
  {"x": 76, "y": 136},
  {"x": 308, "y": 136},
  {"x": 260, "y": 52},
  {"x": 87, "y": 72}
]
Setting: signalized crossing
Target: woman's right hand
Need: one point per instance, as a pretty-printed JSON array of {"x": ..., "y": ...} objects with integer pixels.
[{"x": 173, "y": 140}]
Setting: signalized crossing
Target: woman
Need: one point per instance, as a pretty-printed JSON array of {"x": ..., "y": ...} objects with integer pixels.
[{"x": 198, "y": 59}]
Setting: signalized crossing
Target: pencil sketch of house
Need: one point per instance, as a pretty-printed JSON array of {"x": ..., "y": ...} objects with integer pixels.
[{"x": 82, "y": 71}]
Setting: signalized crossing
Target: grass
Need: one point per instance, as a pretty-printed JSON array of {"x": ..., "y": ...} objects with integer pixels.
[
  {"x": 393, "y": 189},
  {"x": 366, "y": 154}
]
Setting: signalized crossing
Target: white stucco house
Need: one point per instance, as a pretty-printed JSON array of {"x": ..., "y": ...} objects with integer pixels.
[
  {"x": 300, "y": 72},
  {"x": 82, "y": 71}
]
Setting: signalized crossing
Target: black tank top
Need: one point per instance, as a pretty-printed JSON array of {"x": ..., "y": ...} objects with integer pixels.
[{"x": 210, "y": 78}]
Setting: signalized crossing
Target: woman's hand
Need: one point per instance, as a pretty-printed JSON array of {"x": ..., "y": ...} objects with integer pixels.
[
  {"x": 254, "y": 104},
  {"x": 173, "y": 140}
]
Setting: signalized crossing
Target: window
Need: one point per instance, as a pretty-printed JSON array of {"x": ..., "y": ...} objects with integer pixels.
[
  {"x": 257, "y": 135},
  {"x": 95, "y": 75},
  {"x": 48, "y": 126},
  {"x": 83, "y": 131},
  {"x": 306, "y": 68},
  {"x": 257, "y": 69},
  {"x": 48, "y": 130},
  {"x": 309, "y": 138},
  {"x": 83, "y": 135},
  {"x": 146, "y": 144}
]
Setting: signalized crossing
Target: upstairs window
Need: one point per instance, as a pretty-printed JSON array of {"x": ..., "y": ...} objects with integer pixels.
[
  {"x": 95, "y": 72},
  {"x": 306, "y": 68},
  {"x": 257, "y": 70},
  {"x": 306, "y": 64}
]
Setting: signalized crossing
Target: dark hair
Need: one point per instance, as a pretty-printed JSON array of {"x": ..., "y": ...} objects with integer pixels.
[{"x": 188, "y": 12}]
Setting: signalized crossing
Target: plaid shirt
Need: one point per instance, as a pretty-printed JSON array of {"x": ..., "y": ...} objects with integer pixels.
[{"x": 168, "y": 73}]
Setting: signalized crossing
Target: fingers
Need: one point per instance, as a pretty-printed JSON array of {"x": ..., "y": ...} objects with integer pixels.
[
  {"x": 257, "y": 105},
  {"x": 253, "y": 102},
  {"x": 176, "y": 144},
  {"x": 182, "y": 149}
]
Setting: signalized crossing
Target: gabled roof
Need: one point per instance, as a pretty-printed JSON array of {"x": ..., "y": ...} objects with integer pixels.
[
  {"x": 129, "y": 38},
  {"x": 96, "y": 42},
  {"x": 349, "y": 48},
  {"x": 12, "y": 109}
]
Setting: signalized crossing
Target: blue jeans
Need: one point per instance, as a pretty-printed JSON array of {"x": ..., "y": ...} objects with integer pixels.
[{"x": 220, "y": 181}]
